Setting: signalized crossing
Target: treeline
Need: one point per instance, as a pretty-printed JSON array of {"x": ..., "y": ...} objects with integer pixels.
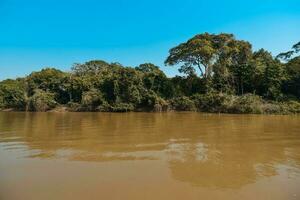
[{"x": 220, "y": 74}]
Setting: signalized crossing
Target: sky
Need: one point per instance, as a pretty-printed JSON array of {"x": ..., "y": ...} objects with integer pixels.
[{"x": 58, "y": 33}]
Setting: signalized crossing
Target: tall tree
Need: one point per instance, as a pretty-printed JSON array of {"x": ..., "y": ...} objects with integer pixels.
[
  {"x": 48, "y": 80},
  {"x": 289, "y": 54},
  {"x": 296, "y": 47},
  {"x": 203, "y": 51},
  {"x": 291, "y": 85}
]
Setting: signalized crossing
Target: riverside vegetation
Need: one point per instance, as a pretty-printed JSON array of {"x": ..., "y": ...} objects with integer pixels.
[{"x": 220, "y": 74}]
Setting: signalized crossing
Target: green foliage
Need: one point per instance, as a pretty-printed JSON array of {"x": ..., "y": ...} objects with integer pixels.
[
  {"x": 50, "y": 80},
  {"x": 248, "y": 103},
  {"x": 128, "y": 86},
  {"x": 42, "y": 101},
  {"x": 187, "y": 86},
  {"x": 90, "y": 68},
  {"x": 152, "y": 102},
  {"x": 211, "y": 102},
  {"x": 121, "y": 107},
  {"x": 91, "y": 100},
  {"x": 224, "y": 103},
  {"x": 233, "y": 79},
  {"x": 205, "y": 51},
  {"x": 1, "y": 102},
  {"x": 273, "y": 81},
  {"x": 13, "y": 94},
  {"x": 288, "y": 107},
  {"x": 154, "y": 79},
  {"x": 289, "y": 54},
  {"x": 291, "y": 107},
  {"x": 183, "y": 104},
  {"x": 74, "y": 107},
  {"x": 291, "y": 85}
]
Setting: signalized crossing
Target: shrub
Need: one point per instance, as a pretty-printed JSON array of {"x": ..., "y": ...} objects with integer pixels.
[
  {"x": 121, "y": 107},
  {"x": 273, "y": 108},
  {"x": 183, "y": 104},
  {"x": 75, "y": 107},
  {"x": 224, "y": 103},
  {"x": 42, "y": 101},
  {"x": 91, "y": 100},
  {"x": 291, "y": 107},
  {"x": 248, "y": 103},
  {"x": 12, "y": 94},
  {"x": 160, "y": 105},
  {"x": 1, "y": 102},
  {"x": 212, "y": 102},
  {"x": 104, "y": 107},
  {"x": 152, "y": 102}
]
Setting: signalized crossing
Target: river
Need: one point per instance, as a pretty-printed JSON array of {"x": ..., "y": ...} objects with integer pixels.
[{"x": 161, "y": 156}]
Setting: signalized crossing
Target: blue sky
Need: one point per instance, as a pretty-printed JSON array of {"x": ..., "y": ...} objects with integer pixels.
[{"x": 57, "y": 33}]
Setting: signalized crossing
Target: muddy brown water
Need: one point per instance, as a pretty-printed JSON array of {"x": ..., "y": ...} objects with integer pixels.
[{"x": 161, "y": 156}]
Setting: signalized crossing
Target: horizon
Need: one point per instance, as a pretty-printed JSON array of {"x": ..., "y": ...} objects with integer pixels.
[{"x": 35, "y": 35}]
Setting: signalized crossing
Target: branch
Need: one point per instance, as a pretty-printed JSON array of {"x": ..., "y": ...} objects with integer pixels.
[{"x": 199, "y": 66}]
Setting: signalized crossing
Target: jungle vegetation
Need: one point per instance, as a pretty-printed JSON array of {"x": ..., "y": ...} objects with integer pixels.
[{"x": 219, "y": 73}]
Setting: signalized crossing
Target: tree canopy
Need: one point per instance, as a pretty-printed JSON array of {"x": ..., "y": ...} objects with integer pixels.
[
  {"x": 205, "y": 51},
  {"x": 220, "y": 74}
]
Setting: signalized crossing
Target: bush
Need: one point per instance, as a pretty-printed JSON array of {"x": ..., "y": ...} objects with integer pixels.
[
  {"x": 291, "y": 107},
  {"x": 152, "y": 102},
  {"x": 183, "y": 104},
  {"x": 288, "y": 107},
  {"x": 212, "y": 102},
  {"x": 42, "y": 101},
  {"x": 121, "y": 107},
  {"x": 273, "y": 108},
  {"x": 74, "y": 107},
  {"x": 224, "y": 103},
  {"x": 12, "y": 94},
  {"x": 104, "y": 107},
  {"x": 91, "y": 100},
  {"x": 248, "y": 103},
  {"x": 104, "y": 87},
  {"x": 1, "y": 102},
  {"x": 160, "y": 105}
]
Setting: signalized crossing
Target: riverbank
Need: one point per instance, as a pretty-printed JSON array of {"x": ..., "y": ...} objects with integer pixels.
[
  {"x": 233, "y": 79},
  {"x": 213, "y": 103}
]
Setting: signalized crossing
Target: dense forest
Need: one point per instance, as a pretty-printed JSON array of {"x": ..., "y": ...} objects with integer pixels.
[{"x": 219, "y": 74}]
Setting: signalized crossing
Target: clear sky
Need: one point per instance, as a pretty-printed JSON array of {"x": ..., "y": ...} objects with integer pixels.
[{"x": 57, "y": 33}]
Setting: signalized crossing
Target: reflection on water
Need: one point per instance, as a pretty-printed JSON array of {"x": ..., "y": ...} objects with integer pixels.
[{"x": 193, "y": 155}]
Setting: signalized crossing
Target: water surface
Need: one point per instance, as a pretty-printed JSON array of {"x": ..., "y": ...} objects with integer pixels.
[{"x": 160, "y": 156}]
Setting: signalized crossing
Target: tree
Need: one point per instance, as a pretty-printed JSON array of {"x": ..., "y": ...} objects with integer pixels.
[
  {"x": 229, "y": 70},
  {"x": 236, "y": 58},
  {"x": 285, "y": 55},
  {"x": 203, "y": 51},
  {"x": 153, "y": 78},
  {"x": 291, "y": 85},
  {"x": 90, "y": 68},
  {"x": 148, "y": 68},
  {"x": 273, "y": 78},
  {"x": 296, "y": 47},
  {"x": 49, "y": 80},
  {"x": 13, "y": 94},
  {"x": 42, "y": 101},
  {"x": 268, "y": 74},
  {"x": 198, "y": 51},
  {"x": 289, "y": 54},
  {"x": 92, "y": 99}
]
